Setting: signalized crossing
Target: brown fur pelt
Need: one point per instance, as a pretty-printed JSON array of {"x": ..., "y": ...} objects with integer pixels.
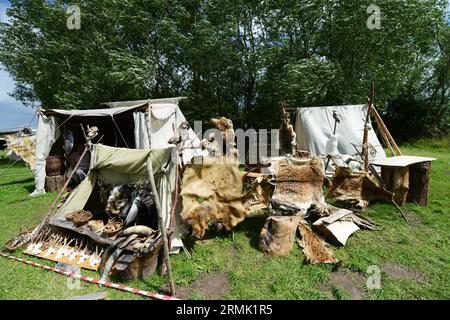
[
  {"x": 298, "y": 186},
  {"x": 355, "y": 190},
  {"x": 212, "y": 192},
  {"x": 226, "y": 127},
  {"x": 278, "y": 235}
]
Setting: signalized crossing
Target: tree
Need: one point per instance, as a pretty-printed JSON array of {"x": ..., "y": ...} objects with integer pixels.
[{"x": 236, "y": 58}]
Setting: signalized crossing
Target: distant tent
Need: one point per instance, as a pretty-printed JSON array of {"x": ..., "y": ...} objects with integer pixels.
[
  {"x": 21, "y": 146},
  {"x": 314, "y": 127},
  {"x": 123, "y": 125}
]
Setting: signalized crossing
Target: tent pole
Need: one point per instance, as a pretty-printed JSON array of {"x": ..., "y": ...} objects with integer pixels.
[
  {"x": 60, "y": 193},
  {"x": 383, "y": 128},
  {"x": 162, "y": 227},
  {"x": 366, "y": 130}
]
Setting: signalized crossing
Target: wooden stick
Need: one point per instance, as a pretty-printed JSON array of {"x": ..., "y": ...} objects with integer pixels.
[
  {"x": 366, "y": 131},
  {"x": 162, "y": 227},
  {"x": 47, "y": 217},
  {"x": 383, "y": 127}
]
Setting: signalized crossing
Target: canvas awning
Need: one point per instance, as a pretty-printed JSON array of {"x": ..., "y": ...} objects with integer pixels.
[{"x": 116, "y": 166}]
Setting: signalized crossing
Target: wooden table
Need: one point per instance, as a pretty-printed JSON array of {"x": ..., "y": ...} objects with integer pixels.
[{"x": 408, "y": 177}]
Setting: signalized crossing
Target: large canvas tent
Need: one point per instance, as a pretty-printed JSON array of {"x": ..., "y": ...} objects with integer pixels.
[
  {"x": 314, "y": 127},
  {"x": 123, "y": 124}
]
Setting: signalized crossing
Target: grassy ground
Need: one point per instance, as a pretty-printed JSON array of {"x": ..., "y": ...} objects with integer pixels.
[{"x": 420, "y": 252}]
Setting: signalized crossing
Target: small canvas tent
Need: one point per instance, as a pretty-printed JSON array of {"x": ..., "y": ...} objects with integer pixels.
[
  {"x": 123, "y": 124},
  {"x": 119, "y": 166},
  {"x": 314, "y": 127}
]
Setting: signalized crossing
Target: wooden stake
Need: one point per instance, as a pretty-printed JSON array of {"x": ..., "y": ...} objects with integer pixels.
[
  {"x": 366, "y": 131},
  {"x": 47, "y": 217},
  {"x": 383, "y": 127}
]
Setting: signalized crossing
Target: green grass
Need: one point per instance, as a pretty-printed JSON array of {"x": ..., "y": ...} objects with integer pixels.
[{"x": 425, "y": 247}]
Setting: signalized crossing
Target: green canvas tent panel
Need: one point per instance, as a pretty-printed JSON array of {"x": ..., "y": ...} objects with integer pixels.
[
  {"x": 116, "y": 166},
  {"x": 119, "y": 166}
]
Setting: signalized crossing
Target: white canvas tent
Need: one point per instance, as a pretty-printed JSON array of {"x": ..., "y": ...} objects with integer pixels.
[
  {"x": 166, "y": 115},
  {"x": 148, "y": 133},
  {"x": 314, "y": 127}
]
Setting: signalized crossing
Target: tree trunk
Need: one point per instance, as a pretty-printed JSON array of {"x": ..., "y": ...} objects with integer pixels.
[
  {"x": 397, "y": 181},
  {"x": 419, "y": 177},
  {"x": 54, "y": 183}
]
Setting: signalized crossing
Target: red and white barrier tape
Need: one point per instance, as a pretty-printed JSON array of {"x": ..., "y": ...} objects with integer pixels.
[{"x": 92, "y": 280}]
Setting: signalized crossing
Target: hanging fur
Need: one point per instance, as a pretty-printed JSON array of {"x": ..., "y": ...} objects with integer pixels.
[{"x": 287, "y": 135}]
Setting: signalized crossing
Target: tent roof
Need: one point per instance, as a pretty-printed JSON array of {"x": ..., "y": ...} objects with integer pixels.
[
  {"x": 92, "y": 112},
  {"x": 114, "y": 108}
]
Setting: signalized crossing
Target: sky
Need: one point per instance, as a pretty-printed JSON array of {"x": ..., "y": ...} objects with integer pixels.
[{"x": 13, "y": 114}]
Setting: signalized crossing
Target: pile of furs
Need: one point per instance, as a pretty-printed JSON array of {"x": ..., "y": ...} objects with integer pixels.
[{"x": 133, "y": 203}]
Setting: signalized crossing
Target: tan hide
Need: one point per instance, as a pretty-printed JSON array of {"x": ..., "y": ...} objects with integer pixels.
[
  {"x": 24, "y": 147},
  {"x": 258, "y": 197},
  {"x": 212, "y": 191},
  {"x": 314, "y": 246},
  {"x": 298, "y": 186},
  {"x": 278, "y": 235},
  {"x": 354, "y": 190}
]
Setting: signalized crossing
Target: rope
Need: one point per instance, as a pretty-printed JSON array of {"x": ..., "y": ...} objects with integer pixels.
[
  {"x": 4, "y": 170},
  {"x": 120, "y": 132},
  {"x": 34, "y": 116},
  {"x": 120, "y": 287}
]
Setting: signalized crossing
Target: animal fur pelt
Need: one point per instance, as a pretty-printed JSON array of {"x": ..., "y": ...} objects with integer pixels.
[
  {"x": 212, "y": 192},
  {"x": 278, "y": 235},
  {"x": 287, "y": 135},
  {"x": 354, "y": 190},
  {"x": 23, "y": 146},
  {"x": 226, "y": 128},
  {"x": 298, "y": 186},
  {"x": 314, "y": 246},
  {"x": 134, "y": 203}
]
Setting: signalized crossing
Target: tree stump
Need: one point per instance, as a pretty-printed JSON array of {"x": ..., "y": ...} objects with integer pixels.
[
  {"x": 54, "y": 183},
  {"x": 419, "y": 178},
  {"x": 397, "y": 181}
]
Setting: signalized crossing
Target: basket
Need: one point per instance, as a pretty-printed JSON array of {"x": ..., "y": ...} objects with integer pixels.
[
  {"x": 113, "y": 227},
  {"x": 82, "y": 218},
  {"x": 79, "y": 217}
]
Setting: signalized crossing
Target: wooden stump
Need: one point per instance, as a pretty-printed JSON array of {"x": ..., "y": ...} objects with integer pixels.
[
  {"x": 397, "y": 181},
  {"x": 419, "y": 178},
  {"x": 54, "y": 183}
]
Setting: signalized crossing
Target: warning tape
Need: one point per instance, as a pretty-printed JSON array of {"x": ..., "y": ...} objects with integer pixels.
[{"x": 93, "y": 280}]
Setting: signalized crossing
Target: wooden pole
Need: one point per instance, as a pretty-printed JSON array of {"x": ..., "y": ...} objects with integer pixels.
[
  {"x": 383, "y": 127},
  {"x": 366, "y": 131},
  {"x": 162, "y": 227},
  {"x": 60, "y": 193}
]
